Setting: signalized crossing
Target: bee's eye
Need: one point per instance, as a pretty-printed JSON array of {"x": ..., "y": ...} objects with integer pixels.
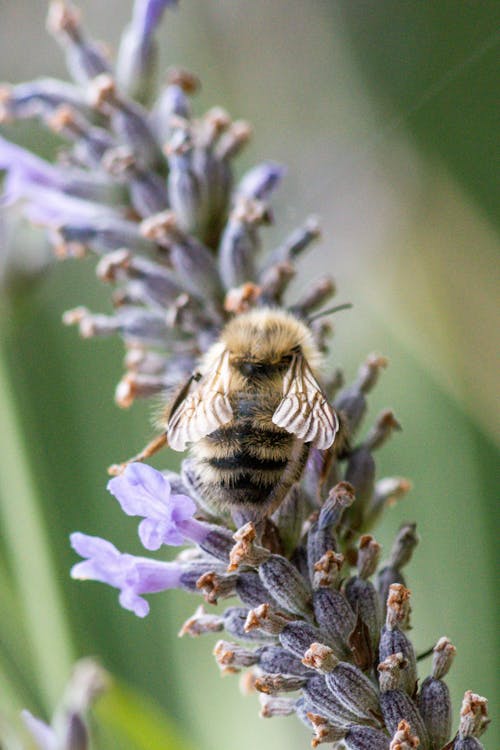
[{"x": 250, "y": 368}]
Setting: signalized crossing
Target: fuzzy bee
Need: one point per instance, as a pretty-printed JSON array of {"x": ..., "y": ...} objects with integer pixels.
[{"x": 251, "y": 413}]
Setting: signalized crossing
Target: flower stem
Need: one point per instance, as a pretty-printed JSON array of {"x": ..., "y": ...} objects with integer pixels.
[{"x": 28, "y": 551}]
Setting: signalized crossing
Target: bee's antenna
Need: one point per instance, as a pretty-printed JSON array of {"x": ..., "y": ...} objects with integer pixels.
[{"x": 330, "y": 311}]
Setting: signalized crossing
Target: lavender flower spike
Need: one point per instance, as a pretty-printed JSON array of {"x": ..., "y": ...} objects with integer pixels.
[
  {"x": 134, "y": 576},
  {"x": 143, "y": 491}
]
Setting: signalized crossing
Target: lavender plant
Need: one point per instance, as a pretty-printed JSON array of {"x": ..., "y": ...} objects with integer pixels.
[{"x": 321, "y": 630}]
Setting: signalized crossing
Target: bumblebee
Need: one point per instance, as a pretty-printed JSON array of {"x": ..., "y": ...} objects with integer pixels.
[{"x": 251, "y": 413}]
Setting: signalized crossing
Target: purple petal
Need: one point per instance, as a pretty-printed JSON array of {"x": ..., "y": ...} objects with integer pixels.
[
  {"x": 141, "y": 490},
  {"x": 41, "y": 732},
  {"x": 87, "y": 571},
  {"x": 153, "y": 576},
  {"x": 153, "y": 534},
  {"x": 131, "y": 601},
  {"x": 183, "y": 507},
  {"x": 90, "y": 546}
]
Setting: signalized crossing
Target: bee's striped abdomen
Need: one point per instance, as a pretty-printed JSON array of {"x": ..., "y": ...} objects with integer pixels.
[
  {"x": 249, "y": 461},
  {"x": 241, "y": 461}
]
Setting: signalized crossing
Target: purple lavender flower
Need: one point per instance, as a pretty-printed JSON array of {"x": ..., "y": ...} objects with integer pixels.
[
  {"x": 133, "y": 576},
  {"x": 143, "y": 491}
]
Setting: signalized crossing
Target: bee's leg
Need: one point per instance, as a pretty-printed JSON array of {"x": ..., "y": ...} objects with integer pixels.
[{"x": 149, "y": 450}]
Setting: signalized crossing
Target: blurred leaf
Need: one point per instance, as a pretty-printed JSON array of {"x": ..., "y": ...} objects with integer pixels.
[
  {"x": 127, "y": 717},
  {"x": 28, "y": 552},
  {"x": 436, "y": 65}
]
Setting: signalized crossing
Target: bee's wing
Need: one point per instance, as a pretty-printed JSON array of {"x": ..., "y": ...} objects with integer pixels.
[
  {"x": 304, "y": 410},
  {"x": 204, "y": 409}
]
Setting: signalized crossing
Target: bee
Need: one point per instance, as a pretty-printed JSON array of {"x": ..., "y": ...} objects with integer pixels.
[{"x": 251, "y": 413}]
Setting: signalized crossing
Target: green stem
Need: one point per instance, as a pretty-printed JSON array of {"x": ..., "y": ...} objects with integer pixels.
[{"x": 28, "y": 551}]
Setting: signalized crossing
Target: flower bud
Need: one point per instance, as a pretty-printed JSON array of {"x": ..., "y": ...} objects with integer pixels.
[
  {"x": 242, "y": 623},
  {"x": 360, "y": 473},
  {"x": 318, "y": 293},
  {"x": 231, "y": 656},
  {"x": 390, "y": 672},
  {"x": 364, "y": 600},
  {"x": 275, "y": 659},
  {"x": 128, "y": 119},
  {"x": 279, "y": 683},
  {"x": 246, "y": 551},
  {"x": 201, "y": 623},
  {"x": 216, "y": 586},
  {"x": 335, "y": 618},
  {"x": 297, "y": 636},
  {"x": 394, "y": 641},
  {"x": 434, "y": 704},
  {"x": 365, "y": 738},
  {"x": 444, "y": 653},
  {"x": 324, "y": 731},
  {"x": 296, "y": 243},
  {"x": 467, "y": 743},
  {"x": 404, "y": 545},
  {"x": 272, "y": 705},
  {"x": 240, "y": 243},
  {"x": 320, "y": 542},
  {"x": 320, "y": 699},
  {"x": 354, "y": 690},
  {"x": 473, "y": 715},
  {"x": 285, "y": 585},
  {"x": 398, "y": 607},
  {"x": 398, "y": 706},
  {"x": 403, "y": 738},
  {"x": 351, "y": 401},
  {"x": 340, "y": 498},
  {"x": 84, "y": 58},
  {"x": 264, "y": 618},
  {"x": 327, "y": 570}
]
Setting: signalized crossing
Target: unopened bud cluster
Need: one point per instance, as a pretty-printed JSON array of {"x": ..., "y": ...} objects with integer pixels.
[{"x": 321, "y": 628}]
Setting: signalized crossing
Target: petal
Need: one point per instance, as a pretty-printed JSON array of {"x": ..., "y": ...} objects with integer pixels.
[
  {"x": 131, "y": 601},
  {"x": 155, "y": 533},
  {"x": 154, "y": 576},
  {"x": 182, "y": 507},
  {"x": 92, "y": 546},
  {"x": 86, "y": 571},
  {"x": 141, "y": 491},
  {"x": 151, "y": 534}
]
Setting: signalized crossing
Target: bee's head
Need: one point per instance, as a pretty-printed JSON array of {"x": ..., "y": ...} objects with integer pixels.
[{"x": 264, "y": 341}]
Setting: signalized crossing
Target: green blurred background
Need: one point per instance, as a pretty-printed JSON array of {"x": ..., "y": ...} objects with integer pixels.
[{"x": 384, "y": 113}]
